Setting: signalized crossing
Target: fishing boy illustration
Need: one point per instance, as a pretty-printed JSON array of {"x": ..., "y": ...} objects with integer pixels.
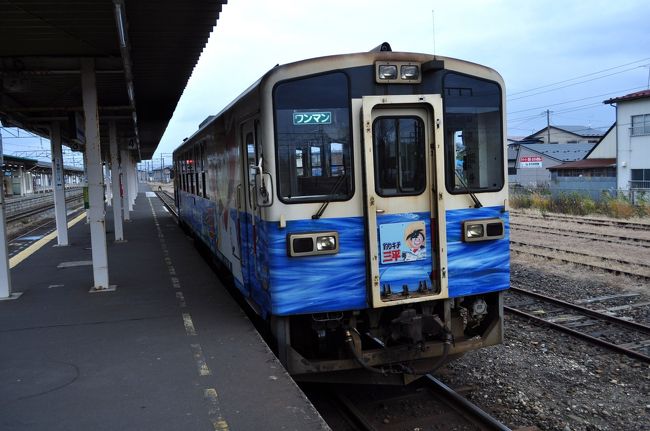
[{"x": 415, "y": 239}]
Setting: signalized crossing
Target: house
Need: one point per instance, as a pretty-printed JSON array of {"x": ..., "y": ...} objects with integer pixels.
[
  {"x": 593, "y": 175},
  {"x": 632, "y": 142},
  {"x": 529, "y": 162},
  {"x": 566, "y": 135}
]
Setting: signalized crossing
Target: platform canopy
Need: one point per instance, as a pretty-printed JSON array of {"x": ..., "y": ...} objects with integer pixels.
[{"x": 144, "y": 52}]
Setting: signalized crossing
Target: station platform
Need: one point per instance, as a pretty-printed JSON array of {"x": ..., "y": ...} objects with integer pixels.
[{"x": 169, "y": 349}]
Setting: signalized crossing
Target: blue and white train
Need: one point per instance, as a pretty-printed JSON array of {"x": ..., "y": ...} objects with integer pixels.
[{"x": 360, "y": 203}]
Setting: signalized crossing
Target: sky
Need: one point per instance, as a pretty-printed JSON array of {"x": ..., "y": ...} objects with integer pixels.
[{"x": 566, "y": 56}]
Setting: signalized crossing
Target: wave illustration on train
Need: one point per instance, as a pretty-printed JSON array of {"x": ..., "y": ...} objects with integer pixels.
[{"x": 359, "y": 203}]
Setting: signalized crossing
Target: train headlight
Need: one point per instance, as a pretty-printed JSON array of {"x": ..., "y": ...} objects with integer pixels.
[
  {"x": 397, "y": 72},
  {"x": 326, "y": 243},
  {"x": 387, "y": 71},
  {"x": 474, "y": 230},
  {"x": 312, "y": 243},
  {"x": 483, "y": 230},
  {"x": 410, "y": 72}
]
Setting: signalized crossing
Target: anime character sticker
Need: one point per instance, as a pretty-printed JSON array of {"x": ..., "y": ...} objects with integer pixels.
[
  {"x": 415, "y": 239},
  {"x": 403, "y": 242}
]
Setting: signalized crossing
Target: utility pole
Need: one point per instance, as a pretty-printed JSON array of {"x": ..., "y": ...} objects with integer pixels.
[
  {"x": 548, "y": 126},
  {"x": 162, "y": 164}
]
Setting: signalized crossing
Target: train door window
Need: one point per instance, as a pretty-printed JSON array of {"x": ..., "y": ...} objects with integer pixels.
[
  {"x": 316, "y": 168},
  {"x": 337, "y": 167},
  {"x": 203, "y": 184},
  {"x": 473, "y": 120},
  {"x": 252, "y": 158},
  {"x": 300, "y": 168},
  {"x": 182, "y": 176},
  {"x": 400, "y": 158},
  {"x": 311, "y": 114}
]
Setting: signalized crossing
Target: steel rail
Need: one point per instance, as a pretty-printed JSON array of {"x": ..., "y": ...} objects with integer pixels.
[
  {"x": 602, "y": 268},
  {"x": 39, "y": 209},
  {"x": 593, "y": 313},
  {"x": 579, "y": 253},
  {"x": 592, "y": 236},
  {"x": 165, "y": 198},
  {"x": 588, "y": 221},
  {"x": 483, "y": 419},
  {"x": 353, "y": 414},
  {"x": 598, "y": 341},
  {"x": 582, "y": 233}
]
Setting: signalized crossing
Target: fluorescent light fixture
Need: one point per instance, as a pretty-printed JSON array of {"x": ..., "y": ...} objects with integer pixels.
[{"x": 119, "y": 20}]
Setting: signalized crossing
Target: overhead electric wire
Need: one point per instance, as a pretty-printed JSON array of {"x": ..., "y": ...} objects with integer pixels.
[
  {"x": 576, "y": 100},
  {"x": 581, "y": 76},
  {"x": 571, "y": 85}
]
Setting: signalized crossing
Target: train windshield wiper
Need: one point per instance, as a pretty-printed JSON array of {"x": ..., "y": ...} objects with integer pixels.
[
  {"x": 335, "y": 188},
  {"x": 477, "y": 203}
]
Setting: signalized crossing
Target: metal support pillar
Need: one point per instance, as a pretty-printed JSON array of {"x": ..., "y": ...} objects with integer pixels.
[
  {"x": 96, "y": 215},
  {"x": 133, "y": 185},
  {"x": 21, "y": 181},
  {"x": 115, "y": 183},
  {"x": 107, "y": 182},
  {"x": 60, "y": 212},
  {"x": 5, "y": 275},
  {"x": 124, "y": 178}
]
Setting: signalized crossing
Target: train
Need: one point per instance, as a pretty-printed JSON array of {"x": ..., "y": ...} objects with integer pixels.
[{"x": 360, "y": 206}]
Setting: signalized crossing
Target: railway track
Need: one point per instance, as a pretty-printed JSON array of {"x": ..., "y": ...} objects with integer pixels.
[
  {"x": 592, "y": 236},
  {"x": 574, "y": 257},
  {"x": 621, "y": 239},
  {"x": 31, "y": 211},
  {"x": 168, "y": 200},
  {"x": 587, "y": 221},
  {"x": 425, "y": 404},
  {"x": 605, "y": 330}
]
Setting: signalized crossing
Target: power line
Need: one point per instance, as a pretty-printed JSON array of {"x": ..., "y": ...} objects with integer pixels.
[
  {"x": 581, "y": 76},
  {"x": 575, "y": 100},
  {"x": 571, "y": 85}
]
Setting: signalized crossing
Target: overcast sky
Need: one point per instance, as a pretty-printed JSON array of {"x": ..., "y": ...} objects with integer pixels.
[{"x": 532, "y": 43}]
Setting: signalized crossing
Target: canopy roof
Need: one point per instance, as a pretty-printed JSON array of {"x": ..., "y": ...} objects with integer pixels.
[{"x": 141, "y": 71}]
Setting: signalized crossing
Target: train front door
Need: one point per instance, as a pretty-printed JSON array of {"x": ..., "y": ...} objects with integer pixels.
[{"x": 403, "y": 161}]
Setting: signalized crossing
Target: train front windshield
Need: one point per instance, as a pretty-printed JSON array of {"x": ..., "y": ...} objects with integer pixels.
[{"x": 312, "y": 119}]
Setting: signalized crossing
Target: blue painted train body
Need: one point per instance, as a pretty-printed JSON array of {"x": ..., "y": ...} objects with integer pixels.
[{"x": 360, "y": 215}]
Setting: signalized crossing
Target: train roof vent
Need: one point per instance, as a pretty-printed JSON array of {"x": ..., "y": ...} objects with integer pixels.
[
  {"x": 383, "y": 47},
  {"x": 206, "y": 121}
]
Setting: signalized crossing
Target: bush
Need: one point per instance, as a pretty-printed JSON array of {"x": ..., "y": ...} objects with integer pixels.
[
  {"x": 573, "y": 203},
  {"x": 618, "y": 206}
]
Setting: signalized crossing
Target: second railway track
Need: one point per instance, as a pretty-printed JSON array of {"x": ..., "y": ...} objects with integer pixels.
[
  {"x": 424, "y": 404},
  {"x": 614, "y": 333}
]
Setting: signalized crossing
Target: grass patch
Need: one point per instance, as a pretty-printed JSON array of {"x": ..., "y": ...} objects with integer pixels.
[{"x": 576, "y": 203}]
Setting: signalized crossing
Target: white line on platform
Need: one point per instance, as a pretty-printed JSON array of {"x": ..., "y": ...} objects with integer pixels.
[
  {"x": 189, "y": 325},
  {"x": 214, "y": 410},
  {"x": 75, "y": 263},
  {"x": 200, "y": 360}
]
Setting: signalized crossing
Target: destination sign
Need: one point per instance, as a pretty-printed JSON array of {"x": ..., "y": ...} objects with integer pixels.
[{"x": 304, "y": 118}]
